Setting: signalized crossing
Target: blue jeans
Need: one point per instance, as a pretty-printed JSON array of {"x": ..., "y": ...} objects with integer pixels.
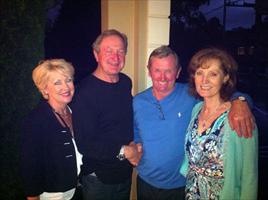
[
  {"x": 94, "y": 189},
  {"x": 146, "y": 191}
]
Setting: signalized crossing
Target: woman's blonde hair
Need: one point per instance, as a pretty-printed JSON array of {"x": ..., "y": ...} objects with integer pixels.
[{"x": 43, "y": 70}]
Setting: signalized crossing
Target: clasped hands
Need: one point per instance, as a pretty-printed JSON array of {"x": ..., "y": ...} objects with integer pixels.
[{"x": 133, "y": 152}]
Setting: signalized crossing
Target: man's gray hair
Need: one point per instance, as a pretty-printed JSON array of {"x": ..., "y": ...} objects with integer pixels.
[
  {"x": 109, "y": 32},
  {"x": 162, "y": 52}
]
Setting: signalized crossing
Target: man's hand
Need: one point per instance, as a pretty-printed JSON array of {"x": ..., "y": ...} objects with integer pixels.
[
  {"x": 241, "y": 118},
  {"x": 33, "y": 198},
  {"x": 133, "y": 153}
]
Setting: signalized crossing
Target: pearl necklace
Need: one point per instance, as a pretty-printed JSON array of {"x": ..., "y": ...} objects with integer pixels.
[{"x": 204, "y": 121}]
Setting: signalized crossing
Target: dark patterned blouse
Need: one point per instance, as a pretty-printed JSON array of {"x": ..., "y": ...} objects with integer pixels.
[{"x": 205, "y": 152}]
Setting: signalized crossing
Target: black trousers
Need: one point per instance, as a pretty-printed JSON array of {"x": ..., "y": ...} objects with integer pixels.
[
  {"x": 146, "y": 191},
  {"x": 94, "y": 189},
  {"x": 78, "y": 195}
]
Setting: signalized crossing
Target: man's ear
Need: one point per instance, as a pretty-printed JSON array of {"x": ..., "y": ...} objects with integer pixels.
[
  {"x": 96, "y": 55},
  {"x": 149, "y": 73}
]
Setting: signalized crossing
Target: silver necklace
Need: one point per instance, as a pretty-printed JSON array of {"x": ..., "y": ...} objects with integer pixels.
[{"x": 204, "y": 121}]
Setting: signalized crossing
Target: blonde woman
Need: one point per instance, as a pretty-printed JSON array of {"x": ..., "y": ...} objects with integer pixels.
[{"x": 50, "y": 161}]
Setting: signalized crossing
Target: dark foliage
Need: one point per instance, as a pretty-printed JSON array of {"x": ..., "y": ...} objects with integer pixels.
[{"x": 22, "y": 25}]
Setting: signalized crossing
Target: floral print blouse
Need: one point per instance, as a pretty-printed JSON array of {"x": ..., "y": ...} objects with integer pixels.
[{"x": 205, "y": 153}]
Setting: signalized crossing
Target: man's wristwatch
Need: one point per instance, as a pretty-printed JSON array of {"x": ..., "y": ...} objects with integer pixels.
[
  {"x": 121, "y": 155},
  {"x": 241, "y": 98}
]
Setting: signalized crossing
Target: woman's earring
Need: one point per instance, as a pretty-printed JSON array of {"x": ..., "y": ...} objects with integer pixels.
[{"x": 45, "y": 94}]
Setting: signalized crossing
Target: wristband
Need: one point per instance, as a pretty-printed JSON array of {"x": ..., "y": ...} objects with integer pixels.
[{"x": 121, "y": 155}]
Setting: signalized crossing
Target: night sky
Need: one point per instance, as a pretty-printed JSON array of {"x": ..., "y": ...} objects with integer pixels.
[
  {"x": 235, "y": 16},
  {"x": 75, "y": 25}
]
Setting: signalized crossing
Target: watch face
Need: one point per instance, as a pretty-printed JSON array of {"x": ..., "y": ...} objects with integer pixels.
[
  {"x": 241, "y": 98},
  {"x": 121, "y": 156}
]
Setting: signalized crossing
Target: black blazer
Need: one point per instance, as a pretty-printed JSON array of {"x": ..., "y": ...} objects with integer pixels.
[{"x": 48, "y": 161}]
